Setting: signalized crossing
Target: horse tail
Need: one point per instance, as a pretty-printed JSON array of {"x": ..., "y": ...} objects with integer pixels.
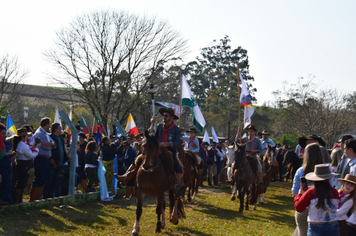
[{"x": 253, "y": 194}]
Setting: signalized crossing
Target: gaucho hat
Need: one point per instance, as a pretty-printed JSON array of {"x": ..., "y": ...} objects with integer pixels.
[
  {"x": 169, "y": 111},
  {"x": 253, "y": 127},
  {"x": 321, "y": 172},
  {"x": 303, "y": 140}
]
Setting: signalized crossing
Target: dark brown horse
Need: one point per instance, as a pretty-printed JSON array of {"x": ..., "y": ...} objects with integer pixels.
[
  {"x": 191, "y": 177},
  {"x": 269, "y": 168},
  {"x": 244, "y": 177},
  {"x": 154, "y": 177},
  {"x": 292, "y": 162}
]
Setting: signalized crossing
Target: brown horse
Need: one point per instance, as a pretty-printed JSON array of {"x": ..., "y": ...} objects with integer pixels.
[
  {"x": 244, "y": 177},
  {"x": 154, "y": 177},
  {"x": 292, "y": 162},
  {"x": 191, "y": 175},
  {"x": 268, "y": 164}
]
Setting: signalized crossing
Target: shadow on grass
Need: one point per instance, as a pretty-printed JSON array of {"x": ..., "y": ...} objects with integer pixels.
[{"x": 187, "y": 231}]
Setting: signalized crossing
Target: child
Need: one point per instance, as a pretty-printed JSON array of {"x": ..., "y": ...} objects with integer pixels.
[
  {"x": 348, "y": 201},
  {"x": 322, "y": 201}
]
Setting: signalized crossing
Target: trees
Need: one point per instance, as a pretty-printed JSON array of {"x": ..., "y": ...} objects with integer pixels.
[
  {"x": 304, "y": 108},
  {"x": 214, "y": 82},
  {"x": 11, "y": 76},
  {"x": 109, "y": 58}
]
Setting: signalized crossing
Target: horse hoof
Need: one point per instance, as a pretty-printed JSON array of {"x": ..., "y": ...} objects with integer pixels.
[
  {"x": 134, "y": 234},
  {"x": 241, "y": 210},
  {"x": 254, "y": 208},
  {"x": 232, "y": 198},
  {"x": 158, "y": 231},
  {"x": 247, "y": 208},
  {"x": 185, "y": 201}
]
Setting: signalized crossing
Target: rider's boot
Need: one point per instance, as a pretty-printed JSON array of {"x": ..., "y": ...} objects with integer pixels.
[{"x": 130, "y": 172}]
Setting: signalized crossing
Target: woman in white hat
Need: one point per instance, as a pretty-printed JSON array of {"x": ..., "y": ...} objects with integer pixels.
[
  {"x": 347, "y": 195},
  {"x": 322, "y": 201}
]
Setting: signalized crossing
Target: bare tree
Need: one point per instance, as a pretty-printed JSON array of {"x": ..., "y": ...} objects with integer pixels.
[
  {"x": 305, "y": 108},
  {"x": 11, "y": 76},
  {"x": 108, "y": 59}
]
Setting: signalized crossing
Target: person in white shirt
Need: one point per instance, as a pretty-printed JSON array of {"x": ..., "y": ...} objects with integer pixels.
[
  {"x": 24, "y": 159},
  {"x": 350, "y": 153}
]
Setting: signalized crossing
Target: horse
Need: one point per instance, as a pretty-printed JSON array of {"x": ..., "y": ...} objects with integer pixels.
[
  {"x": 244, "y": 177},
  {"x": 154, "y": 177},
  {"x": 268, "y": 164},
  {"x": 293, "y": 162},
  {"x": 191, "y": 173}
]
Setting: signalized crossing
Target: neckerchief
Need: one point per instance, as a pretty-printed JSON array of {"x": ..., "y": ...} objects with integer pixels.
[
  {"x": 251, "y": 143},
  {"x": 191, "y": 141},
  {"x": 164, "y": 135}
]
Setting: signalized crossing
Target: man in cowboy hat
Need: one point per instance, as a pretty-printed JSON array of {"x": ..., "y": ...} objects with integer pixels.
[
  {"x": 191, "y": 142},
  {"x": 170, "y": 137},
  {"x": 254, "y": 147},
  {"x": 265, "y": 141}
]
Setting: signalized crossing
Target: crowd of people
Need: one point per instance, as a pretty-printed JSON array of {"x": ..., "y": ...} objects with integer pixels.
[
  {"x": 324, "y": 187},
  {"x": 37, "y": 161}
]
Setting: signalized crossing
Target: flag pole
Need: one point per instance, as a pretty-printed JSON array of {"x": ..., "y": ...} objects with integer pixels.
[
  {"x": 238, "y": 96},
  {"x": 180, "y": 99}
]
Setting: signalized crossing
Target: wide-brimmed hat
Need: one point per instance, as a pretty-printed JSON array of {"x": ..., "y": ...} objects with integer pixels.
[
  {"x": 169, "y": 111},
  {"x": 131, "y": 136},
  {"x": 125, "y": 143},
  {"x": 321, "y": 172},
  {"x": 303, "y": 140},
  {"x": 251, "y": 126},
  {"x": 82, "y": 134},
  {"x": 348, "y": 178},
  {"x": 22, "y": 132},
  {"x": 344, "y": 137},
  {"x": 213, "y": 143},
  {"x": 265, "y": 132},
  {"x": 205, "y": 143},
  {"x": 192, "y": 129}
]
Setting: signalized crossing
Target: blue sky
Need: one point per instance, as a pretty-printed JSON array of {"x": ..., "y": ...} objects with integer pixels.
[{"x": 285, "y": 39}]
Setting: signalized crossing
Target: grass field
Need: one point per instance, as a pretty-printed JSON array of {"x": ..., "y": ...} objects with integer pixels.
[{"x": 213, "y": 213}]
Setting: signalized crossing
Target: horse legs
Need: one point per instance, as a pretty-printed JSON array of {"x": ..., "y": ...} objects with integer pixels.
[
  {"x": 173, "y": 201},
  {"x": 241, "y": 197},
  {"x": 247, "y": 197},
  {"x": 163, "y": 221},
  {"x": 234, "y": 190},
  {"x": 160, "y": 199},
  {"x": 139, "y": 202}
]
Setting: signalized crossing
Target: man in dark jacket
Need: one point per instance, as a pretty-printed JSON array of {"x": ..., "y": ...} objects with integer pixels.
[{"x": 57, "y": 160}]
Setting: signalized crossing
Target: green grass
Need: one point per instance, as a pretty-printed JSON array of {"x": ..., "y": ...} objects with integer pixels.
[{"x": 213, "y": 213}]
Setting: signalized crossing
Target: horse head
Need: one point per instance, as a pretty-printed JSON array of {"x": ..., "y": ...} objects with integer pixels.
[
  {"x": 151, "y": 151},
  {"x": 290, "y": 156},
  {"x": 240, "y": 154},
  {"x": 270, "y": 154}
]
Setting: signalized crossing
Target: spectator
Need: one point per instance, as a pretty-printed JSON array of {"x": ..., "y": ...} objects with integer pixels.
[
  {"x": 91, "y": 165},
  {"x": 5, "y": 167},
  {"x": 108, "y": 154},
  {"x": 347, "y": 195},
  {"x": 24, "y": 161},
  {"x": 312, "y": 156},
  {"x": 82, "y": 179},
  {"x": 321, "y": 201},
  {"x": 56, "y": 166},
  {"x": 129, "y": 159},
  {"x": 42, "y": 160}
]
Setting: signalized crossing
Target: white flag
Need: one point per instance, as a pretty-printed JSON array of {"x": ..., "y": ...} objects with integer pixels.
[
  {"x": 206, "y": 137},
  {"x": 247, "y": 116},
  {"x": 215, "y": 137},
  {"x": 57, "y": 118},
  {"x": 189, "y": 101}
]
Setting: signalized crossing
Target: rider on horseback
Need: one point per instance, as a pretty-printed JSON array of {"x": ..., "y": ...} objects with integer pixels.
[
  {"x": 192, "y": 143},
  {"x": 254, "y": 148},
  {"x": 170, "y": 137}
]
